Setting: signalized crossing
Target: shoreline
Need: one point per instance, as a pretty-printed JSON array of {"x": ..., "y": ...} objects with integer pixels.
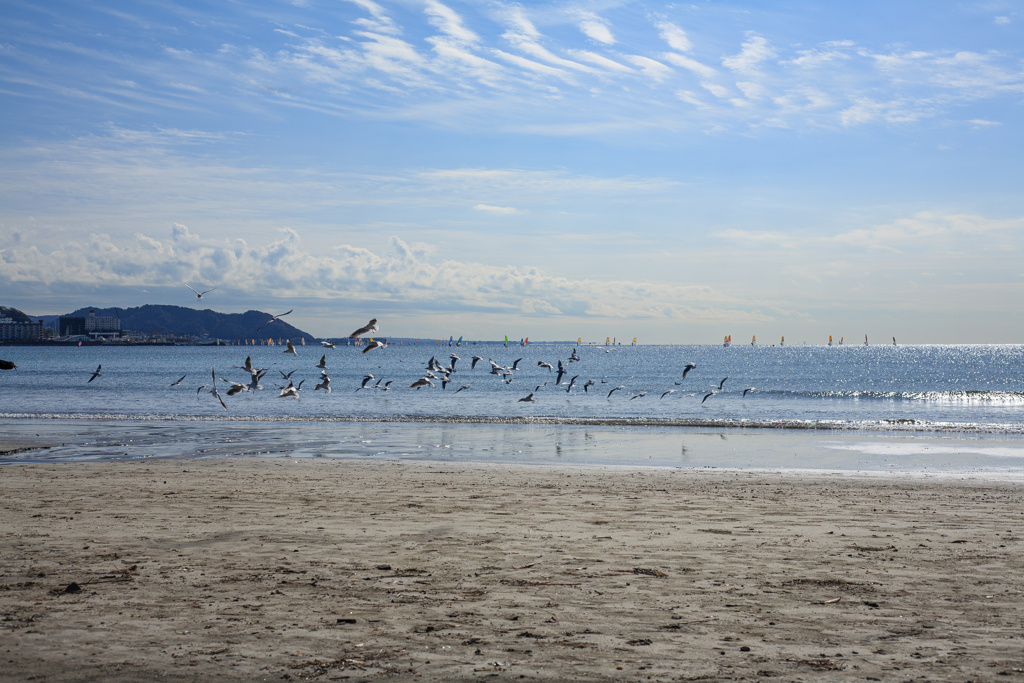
[{"x": 261, "y": 568}]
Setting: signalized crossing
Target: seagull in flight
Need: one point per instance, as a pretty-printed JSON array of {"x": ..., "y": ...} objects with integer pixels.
[
  {"x": 542, "y": 364},
  {"x": 176, "y": 383},
  {"x": 420, "y": 383},
  {"x": 370, "y": 327},
  {"x": 454, "y": 360},
  {"x": 686, "y": 371},
  {"x": 670, "y": 391},
  {"x": 528, "y": 399},
  {"x": 746, "y": 390},
  {"x": 571, "y": 383},
  {"x": 98, "y": 373},
  {"x": 374, "y": 345},
  {"x": 290, "y": 391},
  {"x": 199, "y": 295},
  {"x": 614, "y": 390},
  {"x": 464, "y": 386},
  {"x": 640, "y": 395},
  {"x": 515, "y": 366},
  {"x": 272, "y": 320},
  {"x": 721, "y": 383},
  {"x": 291, "y": 347},
  {"x": 235, "y": 389},
  {"x": 366, "y": 380},
  {"x": 327, "y": 345},
  {"x": 476, "y": 359},
  {"x": 574, "y": 357},
  {"x": 322, "y": 364},
  {"x": 213, "y": 374},
  {"x": 708, "y": 395},
  {"x": 201, "y": 388},
  {"x": 561, "y": 373},
  {"x": 325, "y": 384},
  {"x": 289, "y": 375},
  {"x": 589, "y": 383}
]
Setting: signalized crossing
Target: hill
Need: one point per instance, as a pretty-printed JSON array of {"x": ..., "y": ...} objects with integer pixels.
[
  {"x": 208, "y": 323},
  {"x": 16, "y": 315}
]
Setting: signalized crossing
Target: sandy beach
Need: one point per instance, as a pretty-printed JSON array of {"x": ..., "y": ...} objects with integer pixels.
[{"x": 281, "y": 569}]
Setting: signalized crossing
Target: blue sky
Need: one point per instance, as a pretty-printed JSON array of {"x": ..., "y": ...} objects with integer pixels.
[{"x": 675, "y": 172}]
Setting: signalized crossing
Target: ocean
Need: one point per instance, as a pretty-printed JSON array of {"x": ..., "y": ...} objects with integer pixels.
[{"x": 912, "y": 408}]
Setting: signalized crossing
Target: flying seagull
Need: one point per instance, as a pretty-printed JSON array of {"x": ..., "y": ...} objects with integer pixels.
[
  {"x": 640, "y": 395},
  {"x": 374, "y": 345},
  {"x": 199, "y": 295},
  {"x": 574, "y": 357},
  {"x": 235, "y": 389},
  {"x": 528, "y": 399},
  {"x": 325, "y": 384},
  {"x": 686, "y": 370},
  {"x": 515, "y": 366},
  {"x": 708, "y": 395},
  {"x": 291, "y": 347},
  {"x": 670, "y": 391},
  {"x": 174, "y": 384},
  {"x": 370, "y": 327},
  {"x": 614, "y": 390},
  {"x": 98, "y": 373},
  {"x": 721, "y": 383},
  {"x": 586, "y": 385},
  {"x": 571, "y": 383},
  {"x": 476, "y": 359},
  {"x": 272, "y": 320},
  {"x": 289, "y": 375},
  {"x": 420, "y": 383},
  {"x": 542, "y": 364},
  {"x": 455, "y": 359},
  {"x": 322, "y": 364},
  {"x": 201, "y": 388},
  {"x": 746, "y": 390},
  {"x": 213, "y": 374},
  {"x": 464, "y": 386},
  {"x": 327, "y": 344}
]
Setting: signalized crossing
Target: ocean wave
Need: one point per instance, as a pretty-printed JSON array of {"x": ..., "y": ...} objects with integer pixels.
[
  {"x": 882, "y": 425},
  {"x": 959, "y": 397}
]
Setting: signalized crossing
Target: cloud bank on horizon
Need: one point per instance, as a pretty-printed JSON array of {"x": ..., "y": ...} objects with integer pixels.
[{"x": 721, "y": 167}]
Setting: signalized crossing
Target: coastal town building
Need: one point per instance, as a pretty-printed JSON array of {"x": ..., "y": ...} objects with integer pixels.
[
  {"x": 102, "y": 328},
  {"x": 12, "y": 331}
]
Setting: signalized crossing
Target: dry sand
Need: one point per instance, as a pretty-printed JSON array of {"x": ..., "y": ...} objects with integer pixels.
[{"x": 276, "y": 569}]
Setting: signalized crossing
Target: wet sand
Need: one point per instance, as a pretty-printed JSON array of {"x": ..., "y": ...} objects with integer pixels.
[{"x": 283, "y": 569}]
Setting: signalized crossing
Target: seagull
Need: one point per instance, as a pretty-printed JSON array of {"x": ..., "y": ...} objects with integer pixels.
[
  {"x": 561, "y": 373},
  {"x": 176, "y": 383},
  {"x": 387, "y": 386},
  {"x": 541, "y": 386},
  {"x": 571, "y": 383},
  {"x": 201, "y": 388},
  {"x": 515, "y": 366},
  {"x": 708, "y": 395},
  {"x": 235, "y": 389},
  {"x": 464, "y": 386},
  {"x": 325, "y": 384},
  {"x": 614, "y": 390},
  {"x": 640, "y": 395},
  {"x": 374, "y": 345},
  {"x": 746, "y": 390},
  {"x": 289, "y": 375},
  {"x": 528, "y": 399},
  {"x": 454, "y": 359},
  {"x": 574, "y": 357},
  {"x": 542, "y": 364},
  {"x": 686, "y": 370},
  {"x": 213, "y": 374},
  {"x": 327, "y": 344},
  {"x": 721, "y": 383},
  {"x": 370, "y": 327},
  {"x": 254, "y": 383},
  {"x": 444, "y": 382},
  {"x": 322, "y": 364},
  {"x": 475, "y": 359},
  {"x": 587, "y": 384},
  {"x": 272, "y": 320},
  {"x": 199, "y": 295},
  {"x": 421, "y": 382},
  {"x": 98, "y": 373},
  {"x": 670, "y": 391},
  {"x": 290, "y": 391},
  {"x": 291, "y": 347},
  {"x": 366, "y": 380}
]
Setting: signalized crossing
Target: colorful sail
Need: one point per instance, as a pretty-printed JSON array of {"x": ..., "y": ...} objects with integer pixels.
[{"x": 506, "y": 341}]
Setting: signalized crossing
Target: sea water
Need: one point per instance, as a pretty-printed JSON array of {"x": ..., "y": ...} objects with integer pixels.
[{"x": 945, "y": 406}]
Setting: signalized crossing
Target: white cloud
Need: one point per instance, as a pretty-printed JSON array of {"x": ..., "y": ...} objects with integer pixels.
[
  {"x": 599, "y": 60},
  {"x": 693, "y": 65},
  {"x": 494, "y": 209},
  {"x": 983, "y": 123},
  {"x": 1002, "y": 21},
  {"x": 755, "y": 51},
  {"x": 595, "y": 28},
  {"x": 674, "y": 36},
  {"x": 653, "y": 69},
  {"x": 380, "y": 23},
  {"x": 450, "y": 23}
]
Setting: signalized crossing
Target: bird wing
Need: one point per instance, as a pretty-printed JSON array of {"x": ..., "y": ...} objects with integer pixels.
[
  {"x": 206, "y": 292},
  {"x": 195, "y": 290}
]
